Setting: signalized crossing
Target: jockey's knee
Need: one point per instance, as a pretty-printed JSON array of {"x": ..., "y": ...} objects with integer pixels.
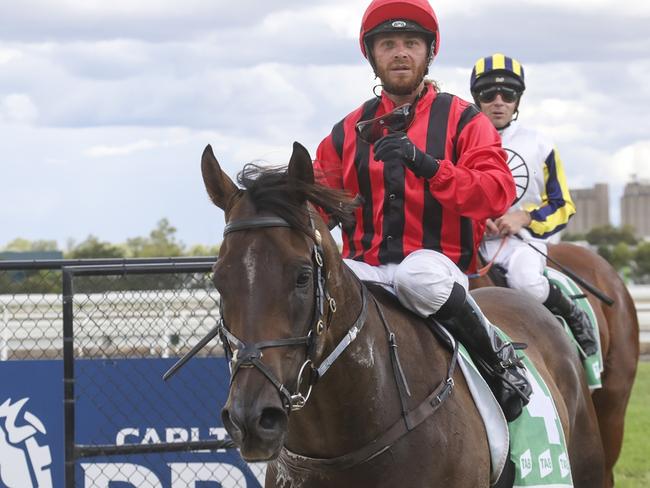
[
  {"x": 526, "y": 274},
  {"x": 533, "y": 284},
  {"x": 426, "y": 281}
]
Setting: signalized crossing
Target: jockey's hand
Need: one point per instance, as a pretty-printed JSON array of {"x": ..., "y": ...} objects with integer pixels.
[
  {"x": 397, "y": 146},
  {"x": 491, "y": 228},
  {"x": 511, "y": 223}
]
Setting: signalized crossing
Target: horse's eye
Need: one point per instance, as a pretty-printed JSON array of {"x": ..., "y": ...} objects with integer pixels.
[{"x": 304, "y": 278}]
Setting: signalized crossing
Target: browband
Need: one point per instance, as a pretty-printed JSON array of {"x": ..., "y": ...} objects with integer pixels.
[{"x": 256, "y": 223}]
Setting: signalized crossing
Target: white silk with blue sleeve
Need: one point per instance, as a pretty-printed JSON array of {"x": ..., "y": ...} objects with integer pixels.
[{"x": 547, "y": 199}]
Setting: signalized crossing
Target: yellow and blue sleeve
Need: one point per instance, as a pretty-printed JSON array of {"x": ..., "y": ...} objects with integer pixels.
[{"x": 557, "y": 206}]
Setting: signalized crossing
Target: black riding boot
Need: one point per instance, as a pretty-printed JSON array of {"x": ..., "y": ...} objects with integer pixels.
[
  {"x": 497, "y": 360},
  {"x": 575, "y": 317}
]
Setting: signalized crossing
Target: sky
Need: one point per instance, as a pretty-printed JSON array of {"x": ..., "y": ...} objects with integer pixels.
[{"x": 106, "y": 107}]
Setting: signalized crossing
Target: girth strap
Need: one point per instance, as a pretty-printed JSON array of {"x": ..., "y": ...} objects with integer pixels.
[{"x": 398, "y": 372}]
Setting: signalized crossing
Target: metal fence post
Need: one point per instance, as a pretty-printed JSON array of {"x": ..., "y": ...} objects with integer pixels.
[{"x": 68, "y": 378}]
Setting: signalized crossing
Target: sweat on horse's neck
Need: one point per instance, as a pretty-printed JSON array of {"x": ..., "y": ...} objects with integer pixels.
[{"x": 335, "y": 419}]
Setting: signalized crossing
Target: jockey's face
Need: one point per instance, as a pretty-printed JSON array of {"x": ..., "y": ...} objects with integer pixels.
[
  {"x": 499, "y": 111},
  {"x": 400, "y": 61}
]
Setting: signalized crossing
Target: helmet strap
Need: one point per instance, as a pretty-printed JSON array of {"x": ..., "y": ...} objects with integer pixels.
[{"x": 515, "y": 115}]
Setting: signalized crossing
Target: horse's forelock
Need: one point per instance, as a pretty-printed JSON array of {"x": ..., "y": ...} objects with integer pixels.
[{"x": 272, "y": 189}]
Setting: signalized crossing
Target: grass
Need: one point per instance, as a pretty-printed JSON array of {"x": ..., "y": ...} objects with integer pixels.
[{"x": 633, "y": 467}]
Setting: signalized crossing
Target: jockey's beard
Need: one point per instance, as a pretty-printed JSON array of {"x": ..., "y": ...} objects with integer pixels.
[{"x": 403, "y": 87}]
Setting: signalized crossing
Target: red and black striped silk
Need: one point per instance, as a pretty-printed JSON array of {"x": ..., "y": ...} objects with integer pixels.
[{"x": 402, "y": 212}]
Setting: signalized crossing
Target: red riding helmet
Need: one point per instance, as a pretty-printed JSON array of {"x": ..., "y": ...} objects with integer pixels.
[{"x": 399, "y": 15}]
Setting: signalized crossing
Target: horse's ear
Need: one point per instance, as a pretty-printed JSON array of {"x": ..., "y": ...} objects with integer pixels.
[
  {"x": 300, "y": 165},
  {"x": 219, "y": 186}
]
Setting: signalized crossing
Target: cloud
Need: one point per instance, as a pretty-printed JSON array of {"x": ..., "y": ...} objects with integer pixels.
[
  {"x": 631, "y": 162},
  {"x": 604, "y": 7},
  {"x": 173, "y": 20},
  {"x": 18, "y": 108},
  {"x": 545, "y": 32},
  {"x": 41, "y": 20},
  {"x": 7, "y": 55},
  {"x": 103, "y": 151},
  {"x": 105, "y": 107}
]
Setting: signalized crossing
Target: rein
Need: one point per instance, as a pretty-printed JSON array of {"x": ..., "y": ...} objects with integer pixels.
[{"x": 486, "y": 269}]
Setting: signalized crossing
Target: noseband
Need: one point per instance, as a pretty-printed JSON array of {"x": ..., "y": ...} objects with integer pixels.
[{"x": 242, "y": 355}]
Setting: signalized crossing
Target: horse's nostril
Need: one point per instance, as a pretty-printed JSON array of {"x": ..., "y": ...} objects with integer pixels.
[
  {"x": 272, "y": 419},
  {"x": 231, "y": 426}
]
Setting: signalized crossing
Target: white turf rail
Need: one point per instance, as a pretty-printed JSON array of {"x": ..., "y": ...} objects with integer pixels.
[
  {"x": 136, "y": 321},
  {"x": 113, "y": 322}
]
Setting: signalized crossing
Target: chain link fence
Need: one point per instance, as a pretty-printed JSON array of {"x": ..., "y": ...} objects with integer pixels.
[{"x": 116, "y": 326}]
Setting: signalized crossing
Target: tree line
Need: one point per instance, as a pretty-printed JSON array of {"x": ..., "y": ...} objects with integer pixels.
[
  {"x": 161, "y": 242},
  {"x": 621, "y": 248}
]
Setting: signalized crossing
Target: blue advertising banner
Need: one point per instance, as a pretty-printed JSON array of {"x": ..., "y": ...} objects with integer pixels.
[
  {"x": 118, "y": 402},
  {"x": 31, "y": 424}
]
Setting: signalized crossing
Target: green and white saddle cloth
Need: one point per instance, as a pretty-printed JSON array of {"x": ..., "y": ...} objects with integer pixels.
[
  {"x": 536, "y": 439},
  {"x": 593, "y": 364}
]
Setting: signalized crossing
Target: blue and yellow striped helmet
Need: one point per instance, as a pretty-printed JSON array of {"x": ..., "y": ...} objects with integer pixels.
[{"x": 497, "y": 69}]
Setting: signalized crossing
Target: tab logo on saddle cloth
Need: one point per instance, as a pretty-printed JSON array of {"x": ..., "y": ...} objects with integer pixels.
[{"x": 537, "y": 444}]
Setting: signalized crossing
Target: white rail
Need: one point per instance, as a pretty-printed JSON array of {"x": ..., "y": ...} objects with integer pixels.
[
  {"x": 157, "y": 321},
  {"x": 161, "y": 322}
]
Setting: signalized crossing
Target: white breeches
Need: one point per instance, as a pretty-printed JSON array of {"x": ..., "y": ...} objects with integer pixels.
[
  {"x": 422, "y": 281},
  {"x": 524, "y": 266}
]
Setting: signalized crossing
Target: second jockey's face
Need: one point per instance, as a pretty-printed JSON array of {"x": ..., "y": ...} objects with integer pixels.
[
  {"x": 499, "y": 111},
  {"x": 401, "y": 61}
]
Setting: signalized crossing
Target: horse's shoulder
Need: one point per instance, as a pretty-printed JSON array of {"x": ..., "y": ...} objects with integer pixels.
[
  {"x": 380, "y": 293},
  {"x": 388, "y": 300}
]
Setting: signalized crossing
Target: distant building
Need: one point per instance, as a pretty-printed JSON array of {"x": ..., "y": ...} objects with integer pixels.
[
  {"x": 592, "y": 208},
  {"x": 635, "y": 207}
]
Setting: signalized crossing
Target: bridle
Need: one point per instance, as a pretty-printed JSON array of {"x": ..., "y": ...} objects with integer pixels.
[{"x": 242, "y": 355}]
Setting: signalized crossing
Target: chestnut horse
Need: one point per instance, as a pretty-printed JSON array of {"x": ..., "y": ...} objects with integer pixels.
[
  {"x": 619, "y": 339},
  {"x": 337, "y": 385}
]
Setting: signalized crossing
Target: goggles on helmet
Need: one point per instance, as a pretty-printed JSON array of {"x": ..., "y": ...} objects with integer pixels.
[{"x": 396, "y": 26}]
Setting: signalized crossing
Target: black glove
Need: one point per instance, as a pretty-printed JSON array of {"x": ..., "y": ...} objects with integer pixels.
[{"x": 397, "y": 145}]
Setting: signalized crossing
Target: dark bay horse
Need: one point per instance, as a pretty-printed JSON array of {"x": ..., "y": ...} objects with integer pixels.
[
  {"x": 320, "y": 365},
  {"x": 619, "y": 338}
]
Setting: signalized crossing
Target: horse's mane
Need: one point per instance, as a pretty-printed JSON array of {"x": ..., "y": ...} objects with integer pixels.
[{"x": 271, "y": 189}]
